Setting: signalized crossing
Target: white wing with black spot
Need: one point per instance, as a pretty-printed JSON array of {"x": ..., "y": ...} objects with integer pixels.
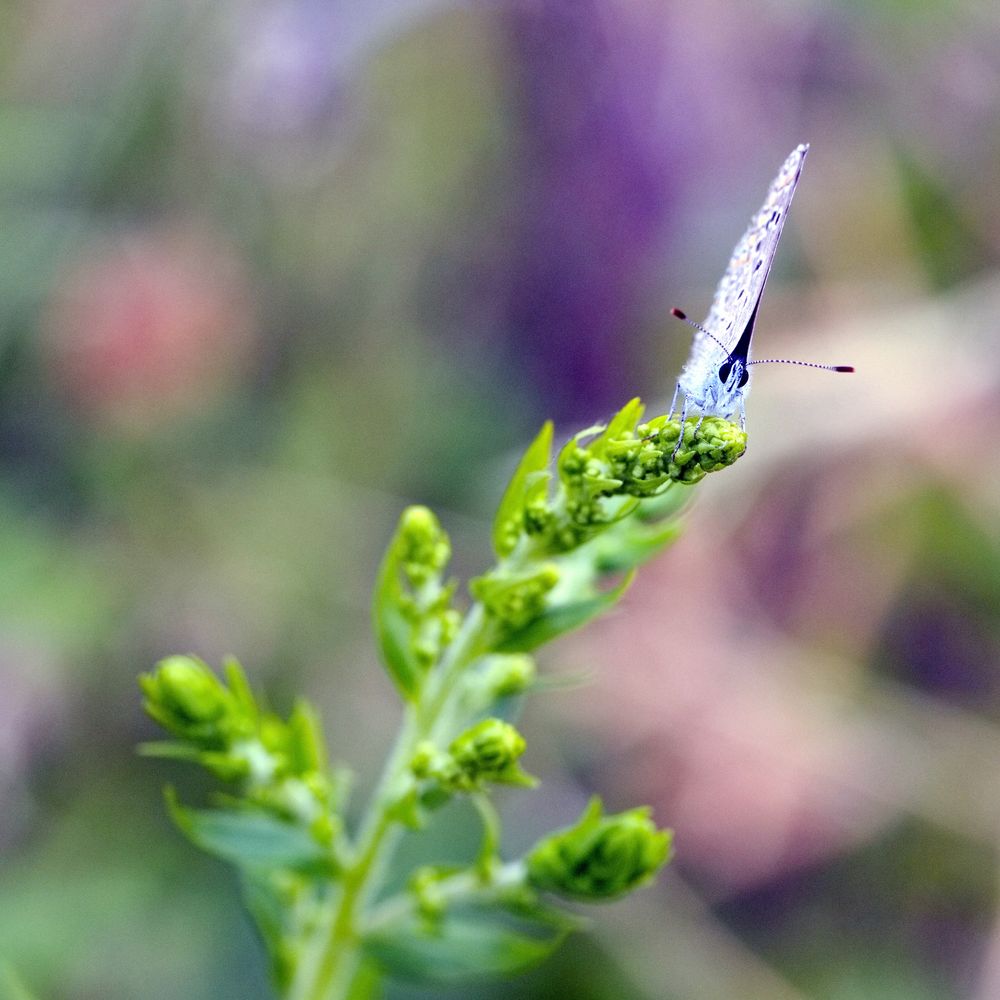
[{"x": 740, "y": 289}]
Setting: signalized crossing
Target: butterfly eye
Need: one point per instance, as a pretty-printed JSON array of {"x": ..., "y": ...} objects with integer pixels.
[{"x": 726, "y": 371}]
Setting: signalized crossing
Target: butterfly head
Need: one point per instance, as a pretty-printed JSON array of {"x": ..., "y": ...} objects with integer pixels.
[
  {"x": 733, "y": 373},
  {"x": 729, "y": 388}
]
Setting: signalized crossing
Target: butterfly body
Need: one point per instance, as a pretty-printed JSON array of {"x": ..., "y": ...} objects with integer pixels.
[{"x": 716, "y": 379}]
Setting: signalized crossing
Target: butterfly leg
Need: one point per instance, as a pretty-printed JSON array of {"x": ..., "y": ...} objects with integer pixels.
[
  {"x": 680, "y": 437},
  {"x": 673, "y": 406},
  {"x": 743, "y": 415}
]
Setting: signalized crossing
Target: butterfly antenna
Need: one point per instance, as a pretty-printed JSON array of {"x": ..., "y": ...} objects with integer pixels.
[
  {"x": 690, "y": 322},
  {"x": 764, "y": 361},
  {"x": 804, "y": 364}
]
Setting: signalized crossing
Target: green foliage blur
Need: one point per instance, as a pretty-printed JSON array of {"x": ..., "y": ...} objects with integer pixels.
[{"x": 269, "y": 271}]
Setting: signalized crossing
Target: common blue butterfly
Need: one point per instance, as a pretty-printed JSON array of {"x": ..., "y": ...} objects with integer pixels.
[{"x": 716, "y": 379}]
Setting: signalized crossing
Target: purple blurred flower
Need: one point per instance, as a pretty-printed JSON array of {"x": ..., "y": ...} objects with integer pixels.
[{"x": 595, "y": 190}]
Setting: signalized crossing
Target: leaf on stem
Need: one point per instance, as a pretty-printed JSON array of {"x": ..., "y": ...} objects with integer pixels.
[
  {"x": 466, "y": 943},
  {"x": 251, "y": 838},
  {"x": 529, "y": 482}
]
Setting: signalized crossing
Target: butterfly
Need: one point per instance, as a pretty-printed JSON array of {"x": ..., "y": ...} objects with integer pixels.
[{"x": 716, "y": 378}]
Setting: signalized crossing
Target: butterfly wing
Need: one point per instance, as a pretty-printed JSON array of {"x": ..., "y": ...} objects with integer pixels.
[{"x": 741, "y": 286}]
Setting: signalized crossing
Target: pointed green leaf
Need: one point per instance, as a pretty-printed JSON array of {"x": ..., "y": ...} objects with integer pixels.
[
  {"x": 624, "y": 420},
  {"x": 522, "y": 486},
  {"x": 240, "y": 688},
  {"x": 306, "y": 747},
  {"x": 251, "y": 838},
  {"x": 393, "y": 629},
  {"x": 466, "y": 944}
]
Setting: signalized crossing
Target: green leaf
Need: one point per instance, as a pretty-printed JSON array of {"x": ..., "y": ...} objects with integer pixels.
[
  {"x": 523, "y": 486},
  {"x": 631, "y": 547},
  {"x": 251, "y": 838},
  {"x": 240, "y": 687},
  {"x": 561, "y": 618},
  {"x": 465, "y": 944},
  {"x": 269, "y": 908},
  {"x": 306, "y": 747},
  {"x": 393, "y": 630},
  {"x": 624, "y": 420},
  {"x": 670, "y": 503}
]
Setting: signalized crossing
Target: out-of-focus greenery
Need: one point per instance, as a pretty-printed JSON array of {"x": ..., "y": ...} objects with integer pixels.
[{"x": 271, "y": 270}]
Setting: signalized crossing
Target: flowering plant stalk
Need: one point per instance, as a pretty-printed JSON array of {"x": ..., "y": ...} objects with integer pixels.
[{"x": 567, "y": 543}]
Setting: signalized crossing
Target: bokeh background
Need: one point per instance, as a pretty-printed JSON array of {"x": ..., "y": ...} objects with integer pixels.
[{"x": 271, "y": 269}]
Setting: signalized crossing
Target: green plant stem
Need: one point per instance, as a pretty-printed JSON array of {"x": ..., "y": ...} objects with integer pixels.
[
  {"x": 463, "y": 886},
  {"x": 331, "y": 957}
]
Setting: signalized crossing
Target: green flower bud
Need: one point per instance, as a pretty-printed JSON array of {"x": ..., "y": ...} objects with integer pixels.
[
  {"x": 538, "y": 517},
  {"x": 489, "y": 751},
  {"x": 573, "y": 463},
  {"x": 425, "y": 884},
  {"x": 425, "y": 762},
  {"x": 188, "y": 700},
  {"x": 506, "y": 676},
  {"x": 438, "y": 776},
  {"x": 601, "y": 857},
  {"x": 515, "y": 601},
  {"x": 424, "y": 549},
  {"x": 717, "y": 444}
]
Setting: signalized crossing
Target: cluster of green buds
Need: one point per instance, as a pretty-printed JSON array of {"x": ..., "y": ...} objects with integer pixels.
[
  {"x": 413, "y": 613},
  {"x": 551, "y": 573},
  {"x": 488, "y": 752},
  {"x": 603, "y": 471},
  {"x": 505, "y": 915},
  {"x": 568, "y": 536},
  {"x": 601, "y": 856},
  {"x": 505, "y": 676},
  {"x": 279, "y": 764}
]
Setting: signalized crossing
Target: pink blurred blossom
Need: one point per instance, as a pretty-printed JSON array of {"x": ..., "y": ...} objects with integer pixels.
[{"x": 149, "y": 325}]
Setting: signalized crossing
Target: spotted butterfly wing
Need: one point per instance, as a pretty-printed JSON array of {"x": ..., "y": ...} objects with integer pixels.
[{"x": 716, "y": 377}]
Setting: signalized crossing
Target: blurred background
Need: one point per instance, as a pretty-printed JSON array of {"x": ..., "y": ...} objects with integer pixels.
[{"x": 272, "y": 269}]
